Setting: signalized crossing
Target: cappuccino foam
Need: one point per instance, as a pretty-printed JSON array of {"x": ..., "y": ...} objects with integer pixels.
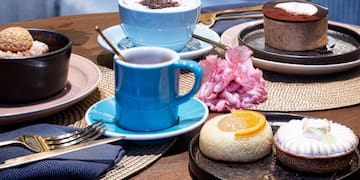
[{"x": 184, "y": 5}]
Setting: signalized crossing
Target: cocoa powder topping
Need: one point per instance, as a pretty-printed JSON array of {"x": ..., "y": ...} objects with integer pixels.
[{"x": 159, "y": 4}]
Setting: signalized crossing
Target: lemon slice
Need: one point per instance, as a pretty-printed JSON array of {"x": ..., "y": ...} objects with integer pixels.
[
  {"x": 231, "y": 124},
  {"x": 244, "y": 123},
  {"x": 255, "y": 122}
]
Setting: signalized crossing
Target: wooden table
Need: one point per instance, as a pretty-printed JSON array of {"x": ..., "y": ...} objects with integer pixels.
[{"x": 174, "y": 165}]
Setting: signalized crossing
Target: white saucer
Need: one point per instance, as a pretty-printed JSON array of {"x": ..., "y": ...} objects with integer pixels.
[
  {"x": 116, "y": 34},
  {"x": 193, "y": 113},
  {"x": 230, "y": 38}
]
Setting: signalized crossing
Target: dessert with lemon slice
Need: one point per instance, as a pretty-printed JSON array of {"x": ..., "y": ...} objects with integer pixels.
[{"x": 240, "y": 136}]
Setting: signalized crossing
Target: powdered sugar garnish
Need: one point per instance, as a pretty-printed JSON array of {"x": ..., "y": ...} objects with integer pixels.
[{"x": 297, "y": 8}]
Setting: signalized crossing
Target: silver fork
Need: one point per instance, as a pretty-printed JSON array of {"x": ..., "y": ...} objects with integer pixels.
[{"x": 47, "y": 143}]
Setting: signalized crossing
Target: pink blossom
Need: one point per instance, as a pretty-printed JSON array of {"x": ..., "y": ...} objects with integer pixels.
[{"x": 233, "y": 82}]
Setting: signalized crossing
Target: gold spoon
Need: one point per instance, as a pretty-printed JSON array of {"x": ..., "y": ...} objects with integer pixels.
[
  {"x": 109, "y": 43},
  {"x": 209, "y": 19},
  {"x": 217, "y": 44}
]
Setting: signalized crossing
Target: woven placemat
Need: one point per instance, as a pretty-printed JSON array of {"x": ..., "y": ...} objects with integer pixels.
[
  {"x": 288, "y": 93},
  {"x": 137, "y": 157},
  {"x": 285, "y": 93}
]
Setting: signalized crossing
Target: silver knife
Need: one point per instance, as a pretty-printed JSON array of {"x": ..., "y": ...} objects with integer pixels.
[{"x": 44, "y": 155}]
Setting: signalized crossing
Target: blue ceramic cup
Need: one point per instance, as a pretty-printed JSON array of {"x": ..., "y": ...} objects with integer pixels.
[
  {"x": 168, "y": 27},
  {"x": 147, "y": 87}
]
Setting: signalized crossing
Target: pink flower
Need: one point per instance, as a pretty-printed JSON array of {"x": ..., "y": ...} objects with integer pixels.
[{"x": 233, "y": 82}]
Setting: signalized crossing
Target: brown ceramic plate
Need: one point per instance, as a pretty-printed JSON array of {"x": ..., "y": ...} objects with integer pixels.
[
  {"x": 84, "y": 76},
  {"x": 344, "y": 43},
  {"x": 269, "y": 167}
]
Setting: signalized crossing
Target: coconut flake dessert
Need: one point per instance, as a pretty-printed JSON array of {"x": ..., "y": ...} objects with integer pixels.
[
  {"x": 295, "y": 25},
  {"x": 240, "y": 136},
  {"x": 313, "y": 145},
  {"x": 18, "y": 42}
]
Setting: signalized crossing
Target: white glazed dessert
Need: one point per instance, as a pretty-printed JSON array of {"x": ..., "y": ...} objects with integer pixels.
[
  {"x": 316, "y": 137},
  {"x": 300, "y": 143},
  {"x": 181, "y": 5},
  {"x": 234, "y": 138}
]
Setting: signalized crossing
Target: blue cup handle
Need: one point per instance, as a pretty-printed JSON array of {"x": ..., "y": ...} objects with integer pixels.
[{"x": 194, "y": 67}]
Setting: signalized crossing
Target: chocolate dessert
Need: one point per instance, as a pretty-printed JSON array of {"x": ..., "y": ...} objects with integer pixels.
[{"x": 295, "y": 25}]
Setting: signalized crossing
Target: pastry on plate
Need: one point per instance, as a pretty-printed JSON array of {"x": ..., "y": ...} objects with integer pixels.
[
  {"x": 315, "y": 145},
  {"x": 295, "y": 25},
  {"x": 239, "y": 136},
  {"x": 18, "y": 42}
]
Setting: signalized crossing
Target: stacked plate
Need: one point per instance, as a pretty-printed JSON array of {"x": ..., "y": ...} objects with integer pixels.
[{"x": 342, "y": 52}]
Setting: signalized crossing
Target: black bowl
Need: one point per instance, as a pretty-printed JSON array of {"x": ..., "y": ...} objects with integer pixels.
[{"x": 32, "y": 78}]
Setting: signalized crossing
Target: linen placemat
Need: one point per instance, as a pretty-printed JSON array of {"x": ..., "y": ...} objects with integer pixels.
[
  {"x": 138, "y": 156},
  {"x": 288, "y": 93}
]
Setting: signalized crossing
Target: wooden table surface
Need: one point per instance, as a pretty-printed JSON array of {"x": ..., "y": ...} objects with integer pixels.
[{"x": 174, "y": 164}]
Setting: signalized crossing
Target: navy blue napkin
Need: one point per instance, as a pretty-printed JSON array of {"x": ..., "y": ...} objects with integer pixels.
[
  {"x": 221, "y": 26},
  {"x": 89, "y": 163}
]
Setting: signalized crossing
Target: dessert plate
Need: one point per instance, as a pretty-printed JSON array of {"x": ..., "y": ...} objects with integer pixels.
[
  {"x": 343, "y": 46},
  {"x": 192, "y": 114},
  {"x": 194, "y": 49},
  {"x": 84, "y": 76},
  {"x": 230, "y": 38},
  {"x": 269, "y": 167}
]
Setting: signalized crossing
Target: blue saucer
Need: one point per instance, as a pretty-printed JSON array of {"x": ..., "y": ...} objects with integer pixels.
[
  {"x": 117, "y": 36},
  {"x": 192, "y": 114}
]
